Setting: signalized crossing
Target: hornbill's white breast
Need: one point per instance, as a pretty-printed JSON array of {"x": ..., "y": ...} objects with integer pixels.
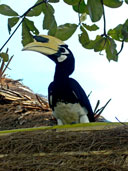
[{"x": 70, "y": 113}]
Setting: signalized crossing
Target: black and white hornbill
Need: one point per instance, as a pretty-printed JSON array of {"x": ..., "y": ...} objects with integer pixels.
[{"x": 66, "y": 97}]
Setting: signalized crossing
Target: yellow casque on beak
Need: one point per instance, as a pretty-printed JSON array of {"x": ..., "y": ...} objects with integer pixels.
[{"x": 44, "y": 44}]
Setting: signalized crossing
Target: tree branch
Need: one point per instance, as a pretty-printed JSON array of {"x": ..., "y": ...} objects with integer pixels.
[
  {"x": 99, "y": 111},
  {"x": 120, "y": 121},
  {"x": 89, "y": 94},
  {"x": 7, "y": 65},
  {"x": 23, "y": 17},
  {"x": 2, "y": 65},
  {"x": 12, "y": 34},
  {"x": 44, "y": 1}
]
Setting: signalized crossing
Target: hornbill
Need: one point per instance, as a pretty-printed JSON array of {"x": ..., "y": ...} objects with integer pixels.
[{"x": 67, "y": 99}]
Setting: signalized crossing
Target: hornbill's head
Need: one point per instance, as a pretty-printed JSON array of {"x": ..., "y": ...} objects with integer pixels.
[{"x": 55, "y": 49}]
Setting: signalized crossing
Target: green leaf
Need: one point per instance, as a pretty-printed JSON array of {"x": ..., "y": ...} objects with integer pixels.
[
  {"x": 12, "y": 22},
  {"x": 99, "y": 43},
  {"x": 84, "y": 39},
  {"x": 49, "y": 22},
  {"x": 80, "y": 7},
  {"x": 6, "y": 10},
  {"x": 113, "y": 3},
  {"x": 125, "y": 31},
  {"x": 93, "y": 27},
  {"x": 27, "y": 37},
  {"x": 53, "y": 1},
  {"x": 31, "y": 26},
  {"x": 71, "y": 2},
  {"x": 95, "y": 9},
  {"x": 83, "y": 29},
  {"x": 120, "y": 32},
  {"x": 126, "y": 1},
  {"x": 116, "y": 33},
  {"x": 53, "y": 27},
  {"x": 110, "y": 49},
  {"x": 48, "y": 19},
  {"x": 83, "y": 17},
  {"x": 37, "y": 10},
  {"x": 65, "y": 31},
  {"x": 47, "y": 7},
  {"x": 4, "y": 56}
]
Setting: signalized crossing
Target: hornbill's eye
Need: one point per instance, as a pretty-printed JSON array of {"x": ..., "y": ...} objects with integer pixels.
[{"x": 62, "y": 49}]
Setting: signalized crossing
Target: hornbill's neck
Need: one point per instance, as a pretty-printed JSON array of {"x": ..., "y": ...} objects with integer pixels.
[{"x": 64, "y": 69}]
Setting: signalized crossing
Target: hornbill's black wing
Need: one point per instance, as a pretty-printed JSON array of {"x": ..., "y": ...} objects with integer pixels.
[
  {"x": 79, "y": 94},
  {"x": 82, "y": 98}
]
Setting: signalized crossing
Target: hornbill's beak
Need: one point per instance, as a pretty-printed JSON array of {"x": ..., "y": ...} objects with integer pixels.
[{"x": 44, "y": 44}]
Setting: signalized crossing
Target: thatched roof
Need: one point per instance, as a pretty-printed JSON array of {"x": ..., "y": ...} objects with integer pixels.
[
  {"x": 21, "y": 107},
  {"x": 87, "y": 147}
]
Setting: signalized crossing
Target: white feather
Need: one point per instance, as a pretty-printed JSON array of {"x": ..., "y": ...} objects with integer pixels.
[
  {"x": 63, "y": 55},
  {"x": 62, "y": 58},
  {"x": 50, "y": 99},
  {"x": 70, "y": 113}
]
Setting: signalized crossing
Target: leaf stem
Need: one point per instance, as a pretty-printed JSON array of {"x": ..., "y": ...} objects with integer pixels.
[
  {"x": 104, "y": 19},
  {"x": 122, "y": 46},
  {"x": 79, "y": 12}
]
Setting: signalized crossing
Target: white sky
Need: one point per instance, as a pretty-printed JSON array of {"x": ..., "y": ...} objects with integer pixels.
[{"x": 93, "y": 71}]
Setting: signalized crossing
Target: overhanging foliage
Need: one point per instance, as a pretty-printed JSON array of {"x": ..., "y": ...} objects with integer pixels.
[{"x": 106, "y": 41}]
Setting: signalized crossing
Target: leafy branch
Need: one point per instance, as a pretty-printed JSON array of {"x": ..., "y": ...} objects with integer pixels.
[
  {"x": 23, "y": 17},
  {"x": 105, "y": 34},
  {"x": 4, "y": 57},
  {"x": 95, "y": 9}
]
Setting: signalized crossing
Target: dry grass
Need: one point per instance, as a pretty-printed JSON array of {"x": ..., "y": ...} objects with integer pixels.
[{"x": 51, "y": 150}]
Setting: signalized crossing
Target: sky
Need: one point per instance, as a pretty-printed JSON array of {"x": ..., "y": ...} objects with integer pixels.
[{"x": 93, "y": 71}]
